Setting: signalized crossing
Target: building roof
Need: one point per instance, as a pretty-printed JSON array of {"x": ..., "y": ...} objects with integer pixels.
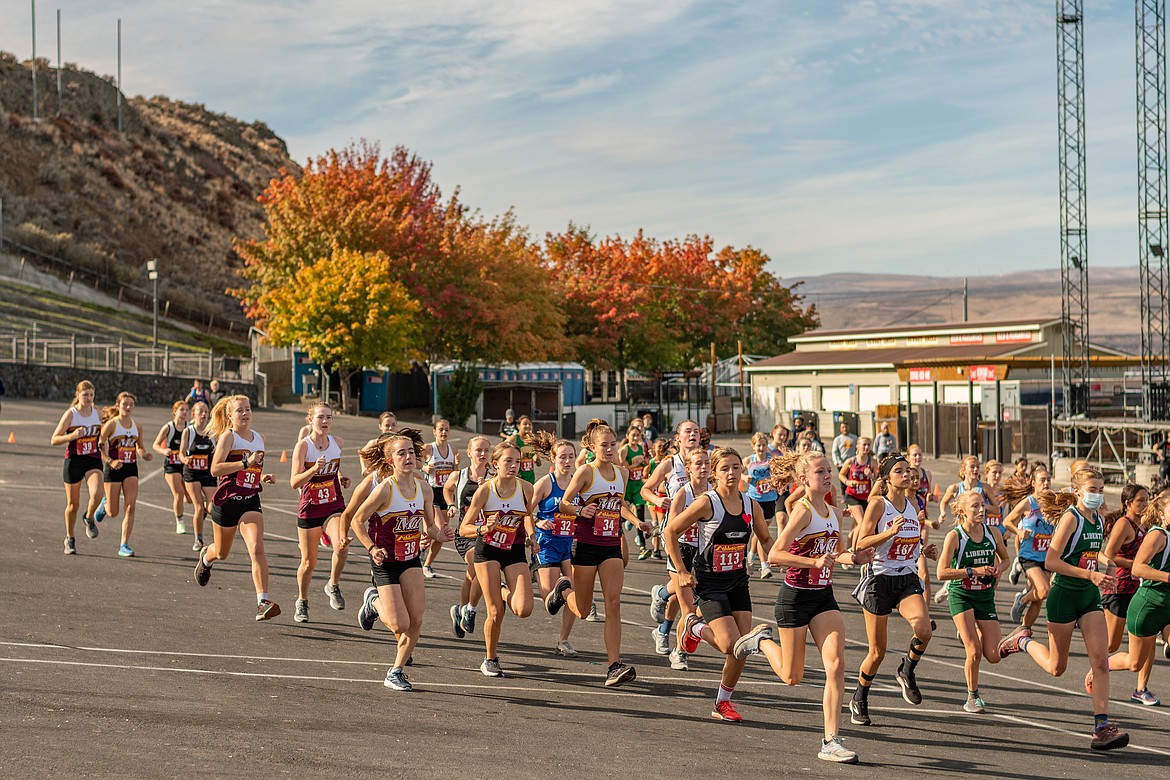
[
  {"x": 853, "y": 359},
  {"x": 944, "y": 328}
]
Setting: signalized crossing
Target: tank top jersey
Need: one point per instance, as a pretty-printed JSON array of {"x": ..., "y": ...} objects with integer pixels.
[
  {"x": 442, "y": 466},
  {"x": 245, "y": 482},
  {"x": 859, "y": 472},
  {"x": 397, "y": 529},
  {"x": 898, "y": 555},
  {"x": 1125, "y": 581},
  {"x": 637, "y": 473},
  {"x": 1035, "y": 547},
  {"x": 199, "y": 449},
  {"x": 820, "y": 537},
  {"x": 123, "y": 443},
  {"x": 723, "y": 542},
  {"x": 549, "y": 509},
  {"x": 1088, "y": 537},
  {"x": 691, "y": 535},
  {"x": 1161, "y": 562},
  {"x": 508, "y": 512},
  {"x": 974, "y": 554},
  {"x": 527, "y": 460},
  {"x": 993, "y": 509},
  {"x": 677, "y": 476},
  {"x": 757, "y": 471},
  {"x": 923, "y": 489},
  {"x": 91, "y": 425},
  {"x": 321, "y": 495},
  {"x": 174, "y": 439},
  {"x": 465, "y": 488},
  {"x": 604, "y": 528}
]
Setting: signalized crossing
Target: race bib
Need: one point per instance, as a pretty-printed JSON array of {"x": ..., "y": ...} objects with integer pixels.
[
  {"x": 563, "y": 524},
  {"x": 994, "y": 521},
  {"x": 606, "y": 522},
  {"x": 974, "y": 584},
  {"x": 1088, "y": 561},
  {"x": 197, "y": 463},
  {"x": 406, "y": 546},
  {"x": 441, "y": 475},
  {"x": 1041, "y": 542},
  {"x": 503, "y": 536},
  {"x": 822, "y": 577},
  {"x": 87, "y": 446},
  {"x": 728, "y": 557},
  {"x": 636, "y": 474},
  {"x": 127, "y": 455},
  {"x": 690, "y": 536},
  {"x": 904, "y": 549},
  {"x": 249, "y": 477},
  {"x": 527, "y": 464},
  {"x": 322, "y": 493},
  {"x": 173, "y": 459}
]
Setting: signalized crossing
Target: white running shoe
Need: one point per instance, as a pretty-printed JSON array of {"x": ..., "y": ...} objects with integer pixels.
[
  {"x": 834, "y": 750},
  {"x": 180, "y": 527},
  {"x": 678, "y": 661},
  {"x": 593, "y": 617},
  {"x": 661, "y": 642},
  {"x": 566, "y": 649}
]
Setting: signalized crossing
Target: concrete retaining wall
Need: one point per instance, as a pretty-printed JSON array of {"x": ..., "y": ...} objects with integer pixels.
[{"x": 58, "y": 382}]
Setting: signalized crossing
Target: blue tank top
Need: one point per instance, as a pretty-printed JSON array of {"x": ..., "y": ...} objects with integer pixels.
[
  {"x": 757, "y": 472},
  {"x": 1035, "y": 547},
  {"x": 548, "y": 506}
]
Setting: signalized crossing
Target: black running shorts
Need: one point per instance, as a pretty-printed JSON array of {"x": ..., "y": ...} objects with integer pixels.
[
  {"x": 390, "y": 572},
  {"x": 887, "y": 591},
  {"x": 76, "y": 469},
  {"x": 585, "y": 554},
  {"x": 721, "y": 598},
  {"x": 796, "y": 607},
  {"x": 228, "y": 514}
]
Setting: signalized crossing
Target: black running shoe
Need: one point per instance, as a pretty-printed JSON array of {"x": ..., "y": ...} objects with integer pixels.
[
  {"x": 202, "y": 570},
  {"x": 266, "y": 610},
  {"x": 457, "y": 622},
  {"x": 859, "y": 712},
  {"x": 619, "y": 674},
  {"x": 556, "y": 599},
  {"x": 909, "y": 685}
]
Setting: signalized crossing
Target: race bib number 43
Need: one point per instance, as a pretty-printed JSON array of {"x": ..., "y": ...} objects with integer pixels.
[{"x": 322, "y": 493}]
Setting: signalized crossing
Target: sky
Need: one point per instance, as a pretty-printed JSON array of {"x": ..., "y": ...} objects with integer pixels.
[{"x": 886, "y": 136}]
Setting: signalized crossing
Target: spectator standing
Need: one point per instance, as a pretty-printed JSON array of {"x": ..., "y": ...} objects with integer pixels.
[
  {"x": 508, "y": 427},
  {"x": 214, "y": 394},
  {"x": 884, "y": 443},
  {"x": 198, "y": 395},
  {"x": 844, "y": 448},
  {"x": 649, "y": 432}
]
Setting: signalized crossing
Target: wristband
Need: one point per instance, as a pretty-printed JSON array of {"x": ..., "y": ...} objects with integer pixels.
[{"x": 970, "y": 573}]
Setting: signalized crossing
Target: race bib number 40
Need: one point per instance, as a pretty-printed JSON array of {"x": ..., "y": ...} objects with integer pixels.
[{"x": 728, "y": 557}]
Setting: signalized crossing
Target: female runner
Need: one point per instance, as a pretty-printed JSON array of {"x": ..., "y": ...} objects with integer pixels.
[
  {"x": 670, "y": 475},
  {"x": 1125, "y": 531},
  {"x": 440, "y": 461},
  {"x": 1075, "y": 599},
  {"x": 238, "y": 464},
  {"x": 522, "y": 440},
  {"x": 857, "y": 475},
  {"x": 389, "y": 524},
  {"x": 316, "y": 473},
  {"x": 166, "y": 444},
  {"x": 498, "y": 520},
  {"x": 632, "y": 455},
  {"x": 554, "y": 528},
  {"x": 725, "y": 518},
  {"x": 660, "y": 451},
  {"x": 973, "y": 555},
  {"x": 808, "y": 547},
  {"x": 892, "y": 529},
  {"x": 597, "y": 554},
  {"x": 1034, "y": 532},
  {"x": 458, "y": 492},
  {"x": 756, "y": 472},
  {"x": 121, "y": 445},
  {"x": 1149, "y": 610},
  {"x": 195, "y": 450},
  {"x": 78, "y": 431},
  {"x": 387, "y": 423}
]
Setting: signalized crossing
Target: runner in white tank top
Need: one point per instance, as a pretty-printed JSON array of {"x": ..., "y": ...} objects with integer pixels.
[
  {"x": 78, "y": 431},
  {"x": 440, "y": 461}
]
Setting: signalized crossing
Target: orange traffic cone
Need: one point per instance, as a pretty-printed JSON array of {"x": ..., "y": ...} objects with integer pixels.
[
  {"x": 937, "y": 493},
  {"x": 284, "y": 456},
  {"x": 12, "y": 438}
]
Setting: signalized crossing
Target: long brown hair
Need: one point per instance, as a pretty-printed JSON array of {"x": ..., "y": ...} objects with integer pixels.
[
  {"x": 110, "y": 412},
  {"x": 1054, "y": 505},
  {"x": 375, "y": 453},
  {"x": 1129, "y": 494}
]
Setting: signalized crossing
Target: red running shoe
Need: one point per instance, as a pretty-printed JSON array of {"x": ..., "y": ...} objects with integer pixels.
[
  {"x": 725, "y": 710},
  {"x": 1089, "y": 681},
  {"x": 687, "y": 641}
]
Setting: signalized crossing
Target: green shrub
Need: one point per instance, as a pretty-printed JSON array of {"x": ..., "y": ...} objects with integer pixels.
[{"x": 458, "y": 397}]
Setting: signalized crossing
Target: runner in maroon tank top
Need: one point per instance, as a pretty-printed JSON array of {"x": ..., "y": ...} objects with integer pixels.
[{"x": 1125, "y": 531}]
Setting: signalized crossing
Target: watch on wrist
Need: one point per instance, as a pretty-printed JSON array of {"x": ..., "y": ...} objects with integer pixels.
[{"x": 970, "y": 573}]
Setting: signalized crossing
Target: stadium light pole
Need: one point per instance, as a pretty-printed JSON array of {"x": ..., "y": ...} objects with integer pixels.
[{"x": 152, "y": 274}]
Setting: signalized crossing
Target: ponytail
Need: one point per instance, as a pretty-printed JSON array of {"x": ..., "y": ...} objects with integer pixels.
[
  {"x": 375, "y": 453},
  {"x": 1016, "y": 488},
  {"x": 546, "y": 443},
  {"x": 221, "y": 415},
  {"x": 595, "y": 426},
  {"x": 110, "y": 412}
]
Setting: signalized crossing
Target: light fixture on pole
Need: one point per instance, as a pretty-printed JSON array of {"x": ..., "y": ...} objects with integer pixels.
[{"x": 152, "y": 274}]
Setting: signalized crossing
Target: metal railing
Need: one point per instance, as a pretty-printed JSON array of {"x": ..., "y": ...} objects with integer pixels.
[{"x": 109, "y": 356}]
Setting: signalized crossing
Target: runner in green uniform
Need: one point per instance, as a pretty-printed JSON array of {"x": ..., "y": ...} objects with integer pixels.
[
  {"x": 972, "y": 557},
  {"x": 529, "y": 458},
  {"x": 1149, "y": 610},
  {"x": 1075, "y": 599},
  {"x": 632, "y": 455}
]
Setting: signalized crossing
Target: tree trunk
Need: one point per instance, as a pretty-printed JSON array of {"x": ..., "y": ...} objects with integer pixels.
[{"x": 345, "y": 374}]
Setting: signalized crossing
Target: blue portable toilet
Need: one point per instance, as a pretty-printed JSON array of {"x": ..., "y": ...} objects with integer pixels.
[{"x": 373, "y": 397}]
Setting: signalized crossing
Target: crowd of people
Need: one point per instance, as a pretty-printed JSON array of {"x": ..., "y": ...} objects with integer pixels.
[{"x": 539, "y": 518}]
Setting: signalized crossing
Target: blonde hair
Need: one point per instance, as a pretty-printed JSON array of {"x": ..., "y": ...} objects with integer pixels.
[
  {"x": 82, "y": 386},
  {"x": 313, "y": 407},
  {"x": 989, "y": 465},
  {"x": 960, "y": 504},
  {"x": 963, "y": 464},
  {"x": 471, "y": 442},
  {"x": 1054, "y": 505},
  {"x": 784, "y": 469},
  {"x": 1156, "y": 511},
  {"x": 221, "y": 414},
  {"x": 759, "y": 437},
  {"x": 375, "y": 453},
  {"x": 722, "y": 454}
]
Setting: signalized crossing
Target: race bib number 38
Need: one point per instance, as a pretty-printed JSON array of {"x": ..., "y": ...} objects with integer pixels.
[{"x": 406, "y": 546}]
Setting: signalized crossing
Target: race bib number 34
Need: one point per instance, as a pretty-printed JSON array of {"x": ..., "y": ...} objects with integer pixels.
[{"x": 605, "y": 522}]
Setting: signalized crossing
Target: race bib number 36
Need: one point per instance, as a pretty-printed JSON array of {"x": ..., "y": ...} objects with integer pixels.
[
  {"x": 248, "y": 478},
  {"x": 728, "y": 557}
]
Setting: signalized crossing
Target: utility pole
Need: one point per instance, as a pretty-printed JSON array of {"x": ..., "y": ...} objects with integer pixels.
[
  {"x": 120, "y": 115},
  {"x": 58, "y": 60},
  {"x": 152, "y": 274},
  {"x": 34, "y": 59},
  {"x": 964, "y": 299}
]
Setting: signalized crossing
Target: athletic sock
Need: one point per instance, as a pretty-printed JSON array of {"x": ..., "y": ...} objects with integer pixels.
[
  {"x": 697, "y": 629},
  {"x": 1100, "y": 722},
  {"x": 203, "y": 557},
  {"x": 724, "y": 693},
  {"x": 262, "y": 596},
  {"x": 1024, "y": 642},
  {"x": 469, "y": 610},
  {"x": 665, "y": 626},
  {"x": 917, "y": 648},
  {"x": 973, "y": 694}
]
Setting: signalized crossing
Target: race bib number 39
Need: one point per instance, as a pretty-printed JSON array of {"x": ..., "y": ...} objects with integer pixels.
[
  {"x": 87, "y": 446},
  {"x": 728, "y": 557}
]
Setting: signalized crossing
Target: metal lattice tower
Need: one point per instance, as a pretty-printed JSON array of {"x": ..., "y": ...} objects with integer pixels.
[
  {"x": 1074, "y": 244},
  {"x": 1153, "y": 250}
]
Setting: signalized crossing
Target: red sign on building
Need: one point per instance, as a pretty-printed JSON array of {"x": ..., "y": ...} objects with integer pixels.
[
  {"x": 967, "y": 338},
  {"x": 920, "y": 376},
  {"x": 1014, "y": 337},
  {"x": 981, "y": 373}
]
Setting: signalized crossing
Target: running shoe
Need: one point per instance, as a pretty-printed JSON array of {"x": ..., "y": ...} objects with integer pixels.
[
  {"x": 91, "y": 529},
  {"x": 457, "y": 622},
  {"x": 678, "y": 661},
  {"x": 367, "y": 615},
  {"x": 491, "y": 667},
  {"x": 619, "y": 674},
  {"x": 70, "y": 545},
  {"x": 643, "y": 554},
  {"x": 555, "y": 600},
  {"x": 396, "y": 680},
  {"x": 326, "y": 542},
  {"x": 336, "y": 600},
  {"x": 180, "y": 527},
  {"x": 661, "y": 642},
  {"x": 909, "y": 685},
  {"x": 1145, "y": 697},
  {"x": 1109, "y": 737},
  {"x": 940, "y": 596},
  {"x": 124, "y": 551},
  {"x": 1089, "y": 682},
  {"x": 1011, "y": 644},
  {"x": 301, "y": 613},
  {"x": 1015, "y": 572},
  {"x": 428, "y": 572},
  {"x": 1018, "y": 608},
  {"x": 468, "y": 621},
  {"x": 593, "y": 617},
  {"x": 859, "y": 712},
  {"x": 975, "y": 705},
  {"x": 266, "y": 610},
  {"x": 197, "y": 545},
  {"x": 687, "y": 641},
  {"x": 658, "y": 556},
  {"x": 725, "y": 710},
  {"x": 933, "y": 625},
  {"x": 765, "y": 571},
  {"x": 100, "y": 513},
  {"x": 749, "y": 643},
  {"x": 202, "y": 570},
  {"x": 659, "y": 596},
  {"x": 566, "y": 649},
  {"x": 834, "y": 750}
]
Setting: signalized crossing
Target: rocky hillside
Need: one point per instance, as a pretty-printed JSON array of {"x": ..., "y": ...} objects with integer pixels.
[{"x": 177, "y": 184}]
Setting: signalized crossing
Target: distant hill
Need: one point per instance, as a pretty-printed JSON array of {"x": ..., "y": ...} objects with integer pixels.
[
  {"x": 177, "y": 184},
  {"x": 864, "y": 300}
]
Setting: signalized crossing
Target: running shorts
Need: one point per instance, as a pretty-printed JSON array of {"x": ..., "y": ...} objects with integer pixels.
[
  {"x": 854, "y": 501},
  {"x": 1026, "y": 564},
  {"x": 172, "y": 468},
  {"x": 1066, "y": 605},
  {"x": 585, "y": 554},
  {"x": 769, "y": 508},
  {"x": 981, "y": 601},
  {"x": 887, "y": 591},
  {"x": 120, "y": 475},
  {"x": 1117, "y": 603},
  {"x": 389, "y": 572},
  {"x": 440, "y": 500},
  {"x": 722, "y": 598},
  {"x": 462, "y": 545},
  {"x": 1149, "y": 613},
  {"x": 688, "y": 555},
  {"x": 315, "y": 522},
  {"x": 553, "y": 549},
  {"x": 204, "y": 478},
  {"x": 796, "y": 607},
  {"x": 485, "y": 552},
  {"x": 76, "y": 468},
  {"x": 228, "y": 514}
]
